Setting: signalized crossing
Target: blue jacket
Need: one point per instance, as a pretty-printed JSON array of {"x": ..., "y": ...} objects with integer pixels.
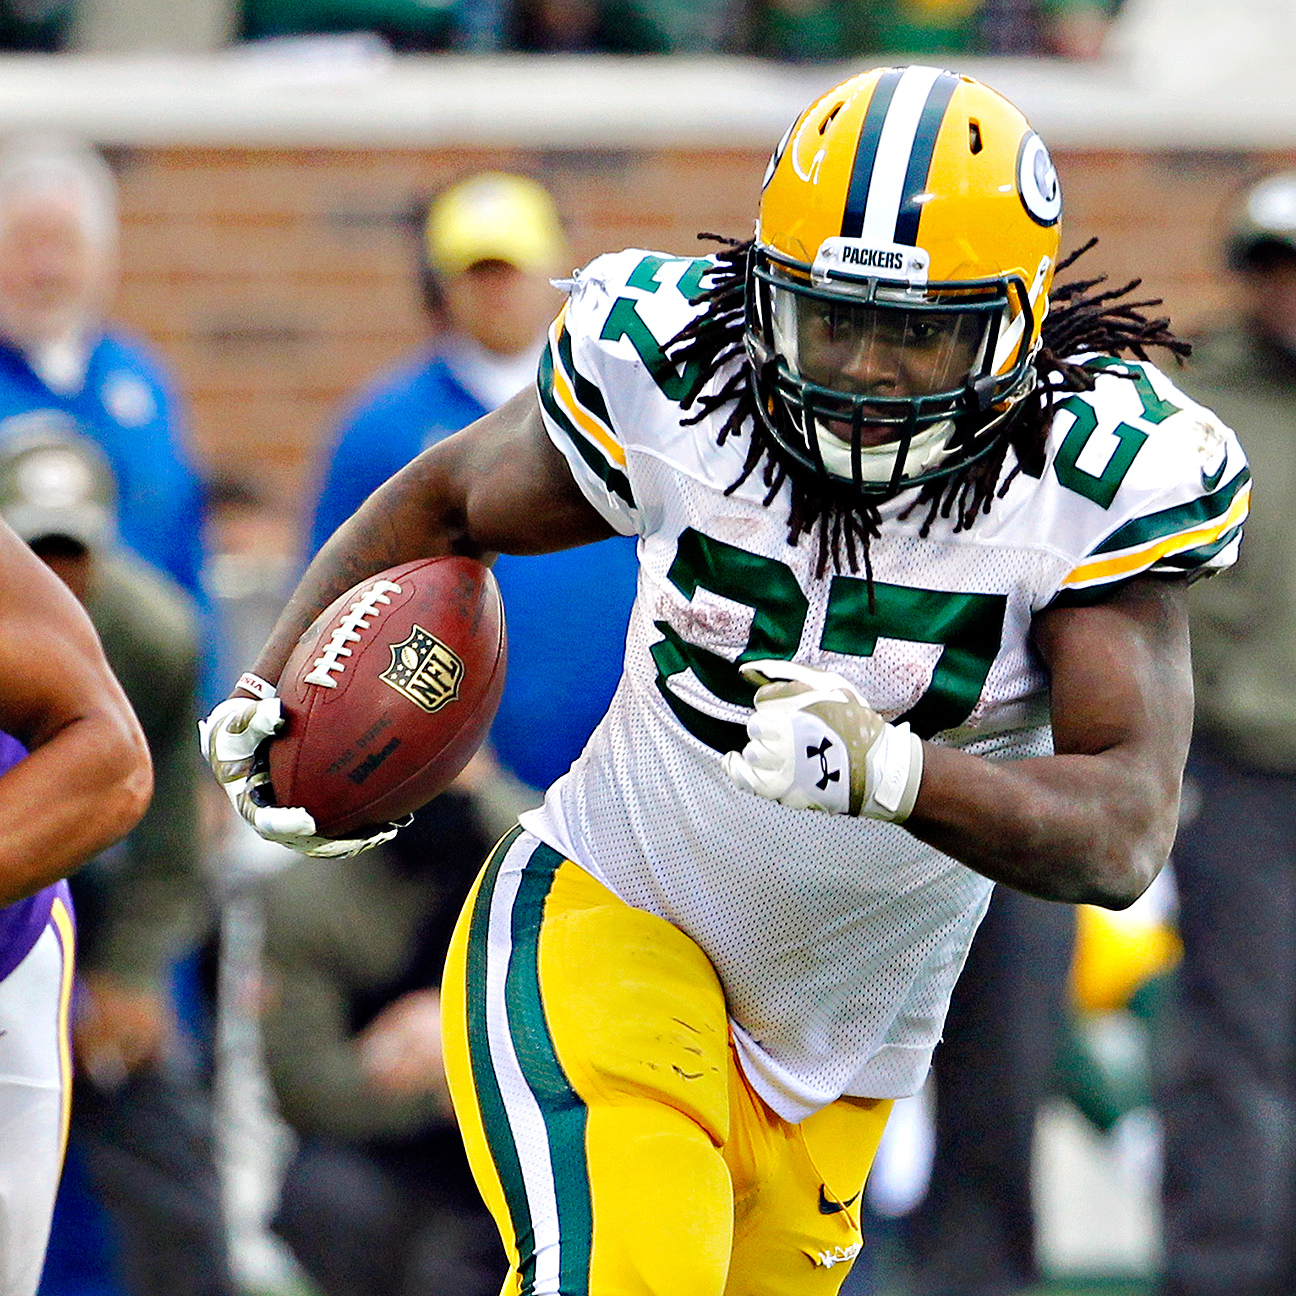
[
  {"x": 128, "y": 408},
  {"x": 567, "y": 612}
]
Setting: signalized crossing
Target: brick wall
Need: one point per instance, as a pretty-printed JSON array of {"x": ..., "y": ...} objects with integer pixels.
[{"x": 275, "y": 281}]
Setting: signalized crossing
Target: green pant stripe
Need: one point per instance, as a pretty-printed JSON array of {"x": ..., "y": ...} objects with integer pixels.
[
  {"x": 563, "y": 1111},
  {"x": 495, "y": 1121}
]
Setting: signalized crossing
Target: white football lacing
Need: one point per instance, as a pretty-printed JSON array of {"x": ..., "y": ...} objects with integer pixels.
[{"x": 329, "y": 662}]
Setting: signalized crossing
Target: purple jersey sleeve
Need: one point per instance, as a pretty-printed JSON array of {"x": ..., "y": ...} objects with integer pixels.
[{"x": 22, "y": 922}]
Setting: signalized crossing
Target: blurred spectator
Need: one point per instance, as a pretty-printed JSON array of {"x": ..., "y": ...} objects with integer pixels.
[
  {"x": 61, "y": 367},
  {"x": 489, "y": 245},
  {"x": 404, "y": 24},
  {"x": 630, "y": 26},
  {"x": 835, "y": 29},
  {"x": 38, "y": 25},
  {"x": 139, "y": 1123},
  {"x": 378, "y": 1200},
  {"x": 1228, "y": 1083},
  {"x": 559, "y": 26},
  {"x": 1075, "y": 29}
]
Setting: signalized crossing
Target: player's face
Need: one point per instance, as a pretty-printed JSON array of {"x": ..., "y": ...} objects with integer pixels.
[
  {"x": 501, "y": 307},
  {"x": 866, "y": 350}
]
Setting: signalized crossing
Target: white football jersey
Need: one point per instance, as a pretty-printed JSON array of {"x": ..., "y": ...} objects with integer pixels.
[{"x": 837, "y": 940}]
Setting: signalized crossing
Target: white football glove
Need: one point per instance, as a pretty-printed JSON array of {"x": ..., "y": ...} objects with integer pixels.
[
  {"x": 817, "y": 745},
  {"x": 233, "y": 740}
]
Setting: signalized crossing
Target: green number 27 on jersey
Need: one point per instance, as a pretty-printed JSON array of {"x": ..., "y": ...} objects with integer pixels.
[{"x": 968, "y": 628}]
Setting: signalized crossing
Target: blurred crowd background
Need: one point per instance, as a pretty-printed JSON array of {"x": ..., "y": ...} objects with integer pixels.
[
  {"x": 303, "y": 273},
  {"x": 783, "y": 29}
]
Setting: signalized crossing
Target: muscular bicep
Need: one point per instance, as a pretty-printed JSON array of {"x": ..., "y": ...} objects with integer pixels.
[
  {"x": 503, "y": 487},
  {"x": 1122, "y": 675},
  {"x": 498, "y": 486},
  {"x": 52, "y": 669}
]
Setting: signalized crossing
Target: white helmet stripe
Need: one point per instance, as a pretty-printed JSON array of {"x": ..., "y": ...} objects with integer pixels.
[{"x": 886, "y": 189}]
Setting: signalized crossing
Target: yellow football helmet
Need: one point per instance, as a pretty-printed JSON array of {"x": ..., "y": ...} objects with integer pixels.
[{"x": 907, "y": 238}]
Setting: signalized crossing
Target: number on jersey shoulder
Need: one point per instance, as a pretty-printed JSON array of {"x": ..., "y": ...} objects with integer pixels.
[{"x": 624, "y": 321}]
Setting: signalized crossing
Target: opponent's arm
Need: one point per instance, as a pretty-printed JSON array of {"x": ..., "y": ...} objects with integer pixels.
[
  {"x": 87, "y": 779},
  {"x": 1092, "y": 823}
]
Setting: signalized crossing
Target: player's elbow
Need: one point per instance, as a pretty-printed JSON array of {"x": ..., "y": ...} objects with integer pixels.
[
  {"x": 126, "y": 779},
  {"x": 1128, "y": 860},
  {"x": 135, "y": 790},
  {"x": 1132, "y": 824},
  {"x": 1118, "y": 886}
]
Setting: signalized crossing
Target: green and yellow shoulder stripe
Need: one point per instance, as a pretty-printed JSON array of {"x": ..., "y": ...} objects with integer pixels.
[
  {"x": 578, "y": 412},
  {"x": 1197, "y": 537}
]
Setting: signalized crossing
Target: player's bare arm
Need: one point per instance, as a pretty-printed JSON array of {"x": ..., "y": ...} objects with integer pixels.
[
  {"x": 1093, "y": 823},
  {"x": 498, "y": 486},
  {"x": 88, "y": 778}
]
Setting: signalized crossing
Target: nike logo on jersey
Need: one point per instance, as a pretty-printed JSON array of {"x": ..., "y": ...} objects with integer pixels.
[
  {"x": 829, "y": 1207},
  {"x": 1211, "y": 480}
]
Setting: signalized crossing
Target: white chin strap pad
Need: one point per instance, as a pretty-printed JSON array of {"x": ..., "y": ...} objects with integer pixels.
[{"x": 877, "y": 463}]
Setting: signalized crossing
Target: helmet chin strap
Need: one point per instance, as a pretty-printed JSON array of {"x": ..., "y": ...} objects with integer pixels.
[{"x": 877, "y": 463}]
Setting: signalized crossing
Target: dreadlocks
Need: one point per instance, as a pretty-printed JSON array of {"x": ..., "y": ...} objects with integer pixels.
[{"x": 1082, "y": 317}]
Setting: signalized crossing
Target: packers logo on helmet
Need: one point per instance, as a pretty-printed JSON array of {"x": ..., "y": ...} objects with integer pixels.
[{"x": 906, "y": 244}]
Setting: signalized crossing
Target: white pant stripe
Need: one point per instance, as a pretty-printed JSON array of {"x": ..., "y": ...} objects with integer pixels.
[{"x": 530, "y": 1136}]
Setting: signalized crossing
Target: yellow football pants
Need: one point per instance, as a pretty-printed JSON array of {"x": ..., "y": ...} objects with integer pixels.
[{"x": 611, "y": 1131}]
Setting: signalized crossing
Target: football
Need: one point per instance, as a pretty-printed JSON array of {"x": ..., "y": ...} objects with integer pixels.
[{"x": 389, "y": 693}]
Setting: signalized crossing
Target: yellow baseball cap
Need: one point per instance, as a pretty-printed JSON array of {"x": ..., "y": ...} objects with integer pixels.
[{"x": 494, "y": 217}]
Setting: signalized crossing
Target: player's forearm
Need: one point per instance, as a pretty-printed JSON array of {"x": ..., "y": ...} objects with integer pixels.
[
  {"x": 70, "y": 799},
  {"x": 1091, "y": 829}
]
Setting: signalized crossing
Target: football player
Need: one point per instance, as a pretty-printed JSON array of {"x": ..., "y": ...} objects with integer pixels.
[
  {"x": 74, "y": 777},
  {"x": 914, "y": 529}
]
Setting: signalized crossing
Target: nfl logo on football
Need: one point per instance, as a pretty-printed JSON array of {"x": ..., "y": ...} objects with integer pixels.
[{"x": 424, "y": 670}]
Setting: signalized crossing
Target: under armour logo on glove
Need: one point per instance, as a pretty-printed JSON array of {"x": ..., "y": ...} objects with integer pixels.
[
  {"x": 829, "y": 775},
  {"x": 802, "y": 710}
]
